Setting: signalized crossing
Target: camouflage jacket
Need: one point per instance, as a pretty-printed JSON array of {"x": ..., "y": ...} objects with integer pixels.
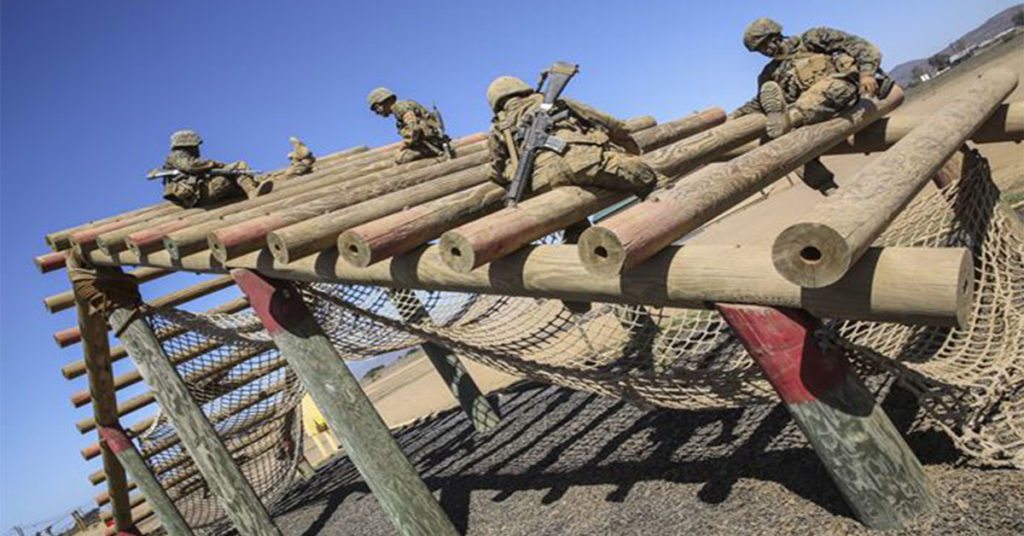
[
  {"x": 414, "y": 122},
  {"x": 301, "y": 154},
  {"x": 189, "y": 164},
  {"x": 585, "y": 125},
  {"x": 816, "y": 54}
]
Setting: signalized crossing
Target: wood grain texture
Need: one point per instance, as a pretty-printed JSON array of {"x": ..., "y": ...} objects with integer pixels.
[
  {"x": 155, "y": 495},
  {"x": 817, "y": 250},
  {"x": 348, "y": 412},
  {"x": 870, "y": 463},
  {"x": 634, "y": 235},
  {"x": 194, "y": 430}
]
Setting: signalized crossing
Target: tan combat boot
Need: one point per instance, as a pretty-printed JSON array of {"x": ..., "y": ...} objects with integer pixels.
[
  {"x": 773, "y": 103},
  {"x": 254, "y": 188}
]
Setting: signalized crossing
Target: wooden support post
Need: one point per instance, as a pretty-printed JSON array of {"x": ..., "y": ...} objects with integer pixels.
[
  {"x": 196, "y": 433},
  {"x": 477, "y": 407},
  {"x": 97, "y": 361},
  {"x": 347, "y": 410},
  {"x": 870, "y": 463},
  {"x": 142, "y": 475}
]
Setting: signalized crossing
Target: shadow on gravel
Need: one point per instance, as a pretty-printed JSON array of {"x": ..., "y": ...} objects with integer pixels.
[{"x": 553, "y": 440}]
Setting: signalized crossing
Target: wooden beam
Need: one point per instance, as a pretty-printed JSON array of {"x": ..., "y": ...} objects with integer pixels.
[
  {"x": 226, "y": 480},
  {"x": 482, "y": 414},
  {"x": 870, "y": 463},
  {"x": 97, "y": 362},
  {"x": 66, "y": 300},
  {"x": 347, "y": 410},
  {"x": 654, "y": 138},
  {"x": 817, "y": 250},
  {"x": 634, "y": 235},
  {"x": 154, "y": 494}
]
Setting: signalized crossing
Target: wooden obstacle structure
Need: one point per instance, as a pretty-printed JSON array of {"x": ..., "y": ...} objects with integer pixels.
[{"x": 360, "y": 221}]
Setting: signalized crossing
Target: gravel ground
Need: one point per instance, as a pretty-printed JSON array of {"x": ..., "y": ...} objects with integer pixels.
[{"x": 565, "y": 462}]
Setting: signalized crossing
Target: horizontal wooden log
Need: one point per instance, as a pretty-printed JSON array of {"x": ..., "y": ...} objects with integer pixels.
[
  {"x": 61, "y": 240},
  {"x": 641, "y": 122},
  {"x": 70, "y": 336},
  {"x": 66, "y": 300},
  {"x": 634, "y": 235},
  {"x": 77, "y": 368},
  {"x": 655, "y": 137},
  {"x": 49, "y": 262},
  {"x": 817, "y": 250},
  {"x": 680, "y": 276},
  {"x": 195, "y": 237},
  {"x": 316, "y": 224},
  {"x": 405, "y": 231}
]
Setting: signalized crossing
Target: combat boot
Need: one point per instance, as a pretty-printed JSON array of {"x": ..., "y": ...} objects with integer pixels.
[
  {"x": 254, "y": 188},
  {"x": 773, "y": 103},
  {"x": 816, "y": 175}
]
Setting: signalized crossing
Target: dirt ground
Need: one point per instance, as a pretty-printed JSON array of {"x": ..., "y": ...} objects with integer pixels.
[{"x": 566, "y": 462}]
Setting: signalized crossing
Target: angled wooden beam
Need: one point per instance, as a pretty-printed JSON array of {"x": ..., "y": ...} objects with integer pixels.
[
  {"x": 350, "y": 414},
  {"x": 198, "y": 436},
  {"x": 870, "y": 463}
]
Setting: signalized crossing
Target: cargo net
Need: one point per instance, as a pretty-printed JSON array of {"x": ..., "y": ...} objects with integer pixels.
[
  {"x": 970, "y": 382},
  {"x": 247, "y": 393}
]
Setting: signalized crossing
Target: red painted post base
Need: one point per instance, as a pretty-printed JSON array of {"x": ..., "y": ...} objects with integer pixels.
[{"x": 870, "y": 463}]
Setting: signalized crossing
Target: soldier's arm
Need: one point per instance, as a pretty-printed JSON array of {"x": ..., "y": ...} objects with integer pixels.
[
  {"x": 499, "y": 158},
  {"x": 191, "y": 165},
  {"x": 829, "y": 41},
  {"x": 616, "y": 128}
]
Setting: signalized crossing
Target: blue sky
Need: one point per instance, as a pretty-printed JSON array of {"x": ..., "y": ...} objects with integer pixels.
[{"x": 91, "y": 91}]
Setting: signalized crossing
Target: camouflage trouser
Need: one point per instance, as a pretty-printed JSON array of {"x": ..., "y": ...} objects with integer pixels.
[
  {"x": 594, "y": 165},
  {"x": 416, "y": 151},
  {"x": 826, "y": 98},
  {"x": 192, "y": 192},
  {"x": 301, "y": 167}
]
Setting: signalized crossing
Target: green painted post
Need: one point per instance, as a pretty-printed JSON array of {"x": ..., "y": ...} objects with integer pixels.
[
  {"x": 213, "y": 460},
  {"x": 156, "y": 496},
  {"x": 867, "y": 458},
  {"x": 349, "y": 413},
  {"x": 481, "y": 412}
]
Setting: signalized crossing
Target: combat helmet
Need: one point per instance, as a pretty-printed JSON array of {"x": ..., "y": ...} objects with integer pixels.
[
  {"x": 504, "y": 87},
  {"x": 185, "y": 138},
  {"x": 760, "y": 30},
  {"x": 379, "y": 95}
]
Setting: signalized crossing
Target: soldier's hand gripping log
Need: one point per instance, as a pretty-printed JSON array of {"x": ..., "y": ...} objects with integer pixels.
[{"x": 535, "y": 134}]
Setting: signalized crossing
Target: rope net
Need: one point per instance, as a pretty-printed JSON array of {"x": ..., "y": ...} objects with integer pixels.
[{"x": 969, "y": 381}]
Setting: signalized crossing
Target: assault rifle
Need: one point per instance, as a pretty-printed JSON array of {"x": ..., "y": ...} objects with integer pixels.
[
  {"x": 172, "y": 175},
  {"x": 535, "y": 132},
  {"x": 446, "y": 141}
]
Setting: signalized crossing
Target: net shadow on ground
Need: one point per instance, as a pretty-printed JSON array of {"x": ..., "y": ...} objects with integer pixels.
[{"x": 553, "y": 440}]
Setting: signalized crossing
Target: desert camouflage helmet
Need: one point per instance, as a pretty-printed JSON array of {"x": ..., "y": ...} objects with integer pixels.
[
  {"x": 504, "y": 87},
  {"x": 758, "y": 31},
  {"x": 379, "y": 95},
  {"x": 185, "y": 138}
]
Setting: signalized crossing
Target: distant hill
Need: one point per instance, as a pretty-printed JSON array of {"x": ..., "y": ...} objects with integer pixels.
[{"x": 1002, "y": 21}]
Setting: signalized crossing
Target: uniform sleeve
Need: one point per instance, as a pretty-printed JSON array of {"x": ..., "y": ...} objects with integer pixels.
[
  {"x": 499, "y": 157},
  {"x": 190, "y": 165},
  {"x": 616, "y": 128},
  {"x": 830, "y": 41}
]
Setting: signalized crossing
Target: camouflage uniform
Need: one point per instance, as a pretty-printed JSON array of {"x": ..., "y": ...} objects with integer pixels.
[
  {"x": 420, "y": 131},
  {"x": 818, "y": 73},
  {"x": 197, "y": 189},
  {"x": 600, "y": 151},
  {"x": 301, "y": 157}
]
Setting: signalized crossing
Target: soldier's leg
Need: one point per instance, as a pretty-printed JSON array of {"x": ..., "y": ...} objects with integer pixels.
[
  {"x": 624, "y": 172},
  {"x": 824, "y": 100},
  {"x": 773, "y": 103},
  {"x": 220, "y": 188},
  {"x": 181, "y": 193},
  {"x": 247, "y": 183}
]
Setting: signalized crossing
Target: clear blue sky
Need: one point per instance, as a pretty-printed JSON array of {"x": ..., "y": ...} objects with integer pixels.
[{"x": 91, "y": 91}]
